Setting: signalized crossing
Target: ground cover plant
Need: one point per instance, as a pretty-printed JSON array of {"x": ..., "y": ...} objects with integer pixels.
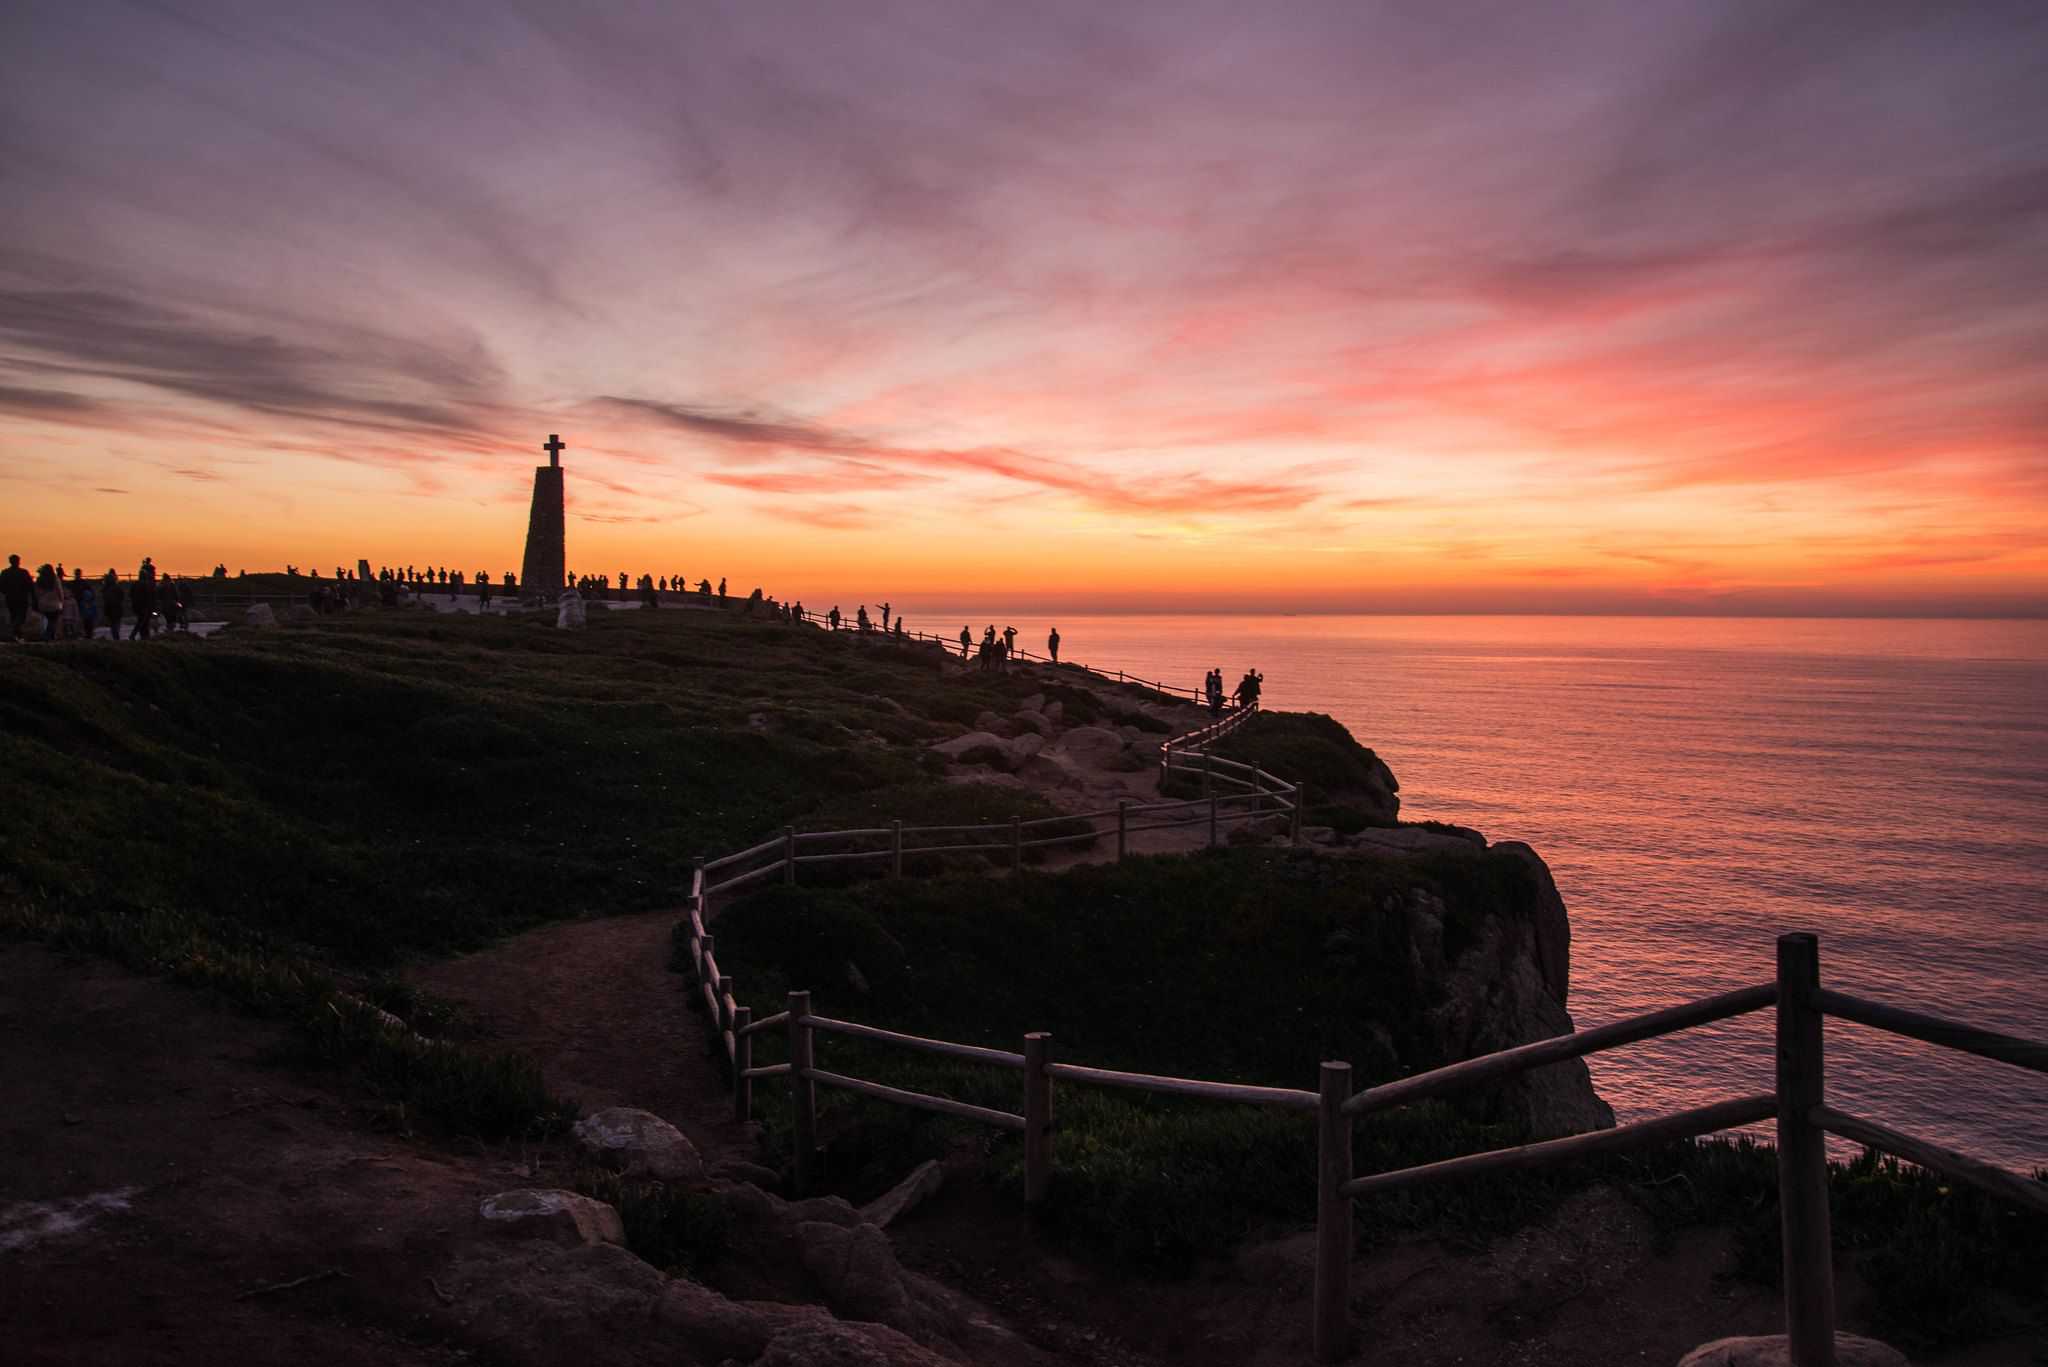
[{"x": 404, "y": 783}]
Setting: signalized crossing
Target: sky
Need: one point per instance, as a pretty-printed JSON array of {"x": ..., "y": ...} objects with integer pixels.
[{"x": 1641, "y": 306}]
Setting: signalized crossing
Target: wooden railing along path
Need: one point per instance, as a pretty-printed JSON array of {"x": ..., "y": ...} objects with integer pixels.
[{"x": 1797, "y": 1103}]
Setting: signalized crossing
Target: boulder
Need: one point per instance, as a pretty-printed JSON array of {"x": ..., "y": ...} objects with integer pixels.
[
  {"x": 640, "y": 1143},
  {"x": 1053, "y": 712},
  {"x": 1773, "y": 1350},
  {"x": 1025, "y": 747},
  {"x": 1494, "y": 996},
  {"x": 1092, "y": 746},
  {"x": 560, "y": 1217},
  {"x": 259, "y": 615},
  {"x": 977, "y": 747},
  {"x": 1034, "y": 721},
  {"x": 1553, "y": 923},
  {"x": 570, "y": 613},
  {"x": 301, "y": 612},
  {"x": 858, "y": 1269},
  {"x": 1034, "y": 703},
  {"x": 1412, "y": 840},
  {"x": 988, "y": 721}
]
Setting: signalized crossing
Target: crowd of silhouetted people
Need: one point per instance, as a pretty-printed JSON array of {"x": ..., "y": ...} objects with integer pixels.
[{"x": 48, "y": 605}]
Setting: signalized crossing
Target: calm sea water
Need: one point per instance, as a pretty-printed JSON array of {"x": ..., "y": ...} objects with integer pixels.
[{"x": 1698, "y": 787}]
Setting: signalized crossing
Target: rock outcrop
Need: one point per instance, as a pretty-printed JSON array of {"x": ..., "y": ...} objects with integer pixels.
[
  {"x": 1501, "y": 986},
  {"x": 801, "y": 1282},
  {"x": 1774, "y": 1351},
  {"x": 639, "y": 1143},
  {"x": 560, "y": 1217}
]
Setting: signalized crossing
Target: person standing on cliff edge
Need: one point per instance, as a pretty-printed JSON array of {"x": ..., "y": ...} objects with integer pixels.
[
  {"x": 1052, "y": 644},
  {"x": 16, "y": 585}
]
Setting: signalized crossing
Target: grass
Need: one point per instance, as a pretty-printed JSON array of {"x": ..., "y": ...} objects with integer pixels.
[
  {"x": 401, "y": 784},
  {"x": 681, "y": 1232},
  {"x": 272, "y": 816}
]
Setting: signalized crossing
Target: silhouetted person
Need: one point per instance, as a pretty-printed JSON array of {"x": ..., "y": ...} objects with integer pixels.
[
  {"x": 885, "y": 616},
  {"x": 860, "y": 618},
  {"x": 144, "y": 599},
  {"x": 833, "y": 617},
  {"x": 966, "y": 641},
  {"x": 721, "y": 590},
  {"x": 49, "y": 598},
  {"x": 1009, "y": 641},
  {"x": 111, "y": 603},
  {"x": 17, "y": 587},
  {"x": 1052, "y": 644},
  {"x": 170, "y": 600}
]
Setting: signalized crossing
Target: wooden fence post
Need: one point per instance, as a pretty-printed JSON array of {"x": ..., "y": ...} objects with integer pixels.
[
  {"x": 1333, "y": 1216},
  {"x": 1016, "y": 843},
  {"x": 703, "y": 892},
  {"x": 1037, "y": 1117},
  {"x": 896, "y": 848},
  {"x": 723, "y": 989},
  {"x": 789, "y": 855},
  {"x": 803, "y": 1091},
  {"x": 1123, "y": 827},
  {"x": 1212, "y": 821},
  {"x": 707, "y": 945},
  {"x": 742, "y": 1059},
  {"x": 1803, "y": 1158}
]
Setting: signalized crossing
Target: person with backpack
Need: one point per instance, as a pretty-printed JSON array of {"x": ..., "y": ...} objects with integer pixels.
[{"x": 49, "y": 599}]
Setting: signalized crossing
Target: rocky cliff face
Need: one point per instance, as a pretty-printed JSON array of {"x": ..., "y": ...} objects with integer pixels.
[{"x": 1495, "y": 976}]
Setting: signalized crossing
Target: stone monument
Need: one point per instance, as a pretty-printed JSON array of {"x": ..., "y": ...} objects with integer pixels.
[{"x": 540, "y": 573}]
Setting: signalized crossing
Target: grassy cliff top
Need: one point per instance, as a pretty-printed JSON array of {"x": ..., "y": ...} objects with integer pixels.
[{"x": 409, "y": 782}]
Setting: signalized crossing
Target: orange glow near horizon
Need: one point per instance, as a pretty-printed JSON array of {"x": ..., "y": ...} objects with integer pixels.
[{"x": 1357, "y": 312}]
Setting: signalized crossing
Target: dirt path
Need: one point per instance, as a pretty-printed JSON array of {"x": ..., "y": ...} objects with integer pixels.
[{"x": 595, "y": 1004}]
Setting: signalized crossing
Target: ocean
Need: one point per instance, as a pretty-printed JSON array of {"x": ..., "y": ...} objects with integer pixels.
[{"x": 1700, "y": 785}]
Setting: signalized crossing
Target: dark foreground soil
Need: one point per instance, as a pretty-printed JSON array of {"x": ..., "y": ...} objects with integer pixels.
[
  {"x": 159, "y": 1173},
  {"x": 174, "y": 1189}
]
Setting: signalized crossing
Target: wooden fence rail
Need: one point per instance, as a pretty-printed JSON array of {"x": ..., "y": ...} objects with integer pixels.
[{"x": 1803, "y": 1119}]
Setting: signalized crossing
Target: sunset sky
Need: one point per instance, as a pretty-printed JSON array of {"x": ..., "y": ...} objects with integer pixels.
[{"x": 1353, "y": 306}]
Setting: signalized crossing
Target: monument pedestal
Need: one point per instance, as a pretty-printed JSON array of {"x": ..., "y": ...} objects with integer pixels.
[{"x": 540, "y": 573}]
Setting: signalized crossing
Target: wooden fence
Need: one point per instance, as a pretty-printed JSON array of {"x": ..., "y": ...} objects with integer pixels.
[{"x": 1797, "y": 1102}]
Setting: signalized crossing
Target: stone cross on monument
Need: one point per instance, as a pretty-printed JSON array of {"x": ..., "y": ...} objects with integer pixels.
[{"x": 540, "y": 574}]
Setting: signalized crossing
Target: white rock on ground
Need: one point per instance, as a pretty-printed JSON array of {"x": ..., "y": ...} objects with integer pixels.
[
  {"x": 560, "y": 1217},
  {"x": 639, "y": 1143}
]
